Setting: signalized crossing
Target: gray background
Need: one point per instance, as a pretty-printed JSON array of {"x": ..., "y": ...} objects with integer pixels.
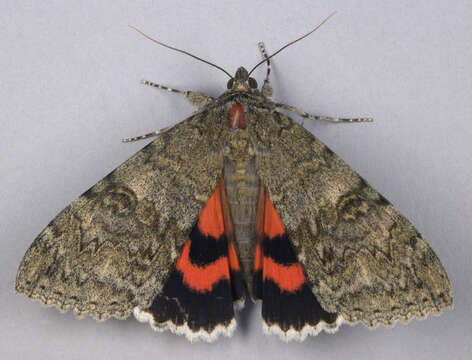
[{"x": 69, "y": 90}]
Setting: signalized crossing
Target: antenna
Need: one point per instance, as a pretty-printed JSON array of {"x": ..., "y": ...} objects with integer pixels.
[
  {"x": 293, "y": 42},
  {"x": 182, "y": 51}
]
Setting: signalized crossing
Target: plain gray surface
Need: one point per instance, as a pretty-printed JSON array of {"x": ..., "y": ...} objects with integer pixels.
[{"x": 69, "y": 90}]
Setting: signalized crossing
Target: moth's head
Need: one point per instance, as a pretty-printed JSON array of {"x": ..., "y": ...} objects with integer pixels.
[{"x": 241, "y": 81}]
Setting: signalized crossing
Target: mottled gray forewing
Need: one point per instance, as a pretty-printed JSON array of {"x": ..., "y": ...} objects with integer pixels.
[
  {"x": 112, "y": 248},
  {"x": 362, "y": 258}
]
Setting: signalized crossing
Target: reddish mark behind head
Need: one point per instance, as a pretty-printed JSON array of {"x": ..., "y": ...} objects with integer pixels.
[{"x": 236, "y": 117}]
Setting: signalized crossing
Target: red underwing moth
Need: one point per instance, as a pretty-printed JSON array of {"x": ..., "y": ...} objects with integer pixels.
[{"x": 236, "y": 200}]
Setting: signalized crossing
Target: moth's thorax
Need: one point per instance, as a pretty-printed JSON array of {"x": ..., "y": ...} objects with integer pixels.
[
  {"x": 236, "y": 117},
  {"x": 242, "y": 188}
]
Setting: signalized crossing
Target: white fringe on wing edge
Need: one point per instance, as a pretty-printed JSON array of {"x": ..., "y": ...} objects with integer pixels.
[
  {"x": 300, "y": 335},
  {"x": 143, "y": 316},
  {"x": 238, "y": 305}
]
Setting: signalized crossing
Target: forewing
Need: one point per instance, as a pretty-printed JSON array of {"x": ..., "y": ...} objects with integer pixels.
[
  {"x": 113, "y": 247},
  {"x": 362, "y": 258}
]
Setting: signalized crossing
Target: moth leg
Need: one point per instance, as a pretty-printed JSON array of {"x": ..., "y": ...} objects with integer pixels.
[
  {"x": 324, "y": 118},
  {"x": 267, "y": 90},
  {"x": 145, "y": 136},
  {"x": 195, "y": 98}
]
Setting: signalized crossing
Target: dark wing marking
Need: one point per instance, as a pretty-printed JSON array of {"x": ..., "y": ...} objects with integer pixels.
[
  {"x": 113, "y": 247},
  {"x": 362, "y": 258}
]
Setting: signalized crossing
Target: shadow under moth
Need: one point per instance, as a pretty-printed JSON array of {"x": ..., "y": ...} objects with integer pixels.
[{"x": 237, "y": 200}]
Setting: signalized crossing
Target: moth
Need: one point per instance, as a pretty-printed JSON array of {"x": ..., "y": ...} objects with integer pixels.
[{"x": 238, "y": 200}]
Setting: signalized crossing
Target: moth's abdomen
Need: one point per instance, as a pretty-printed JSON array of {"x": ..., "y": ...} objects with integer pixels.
[{"x": 242, "y": 189}]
